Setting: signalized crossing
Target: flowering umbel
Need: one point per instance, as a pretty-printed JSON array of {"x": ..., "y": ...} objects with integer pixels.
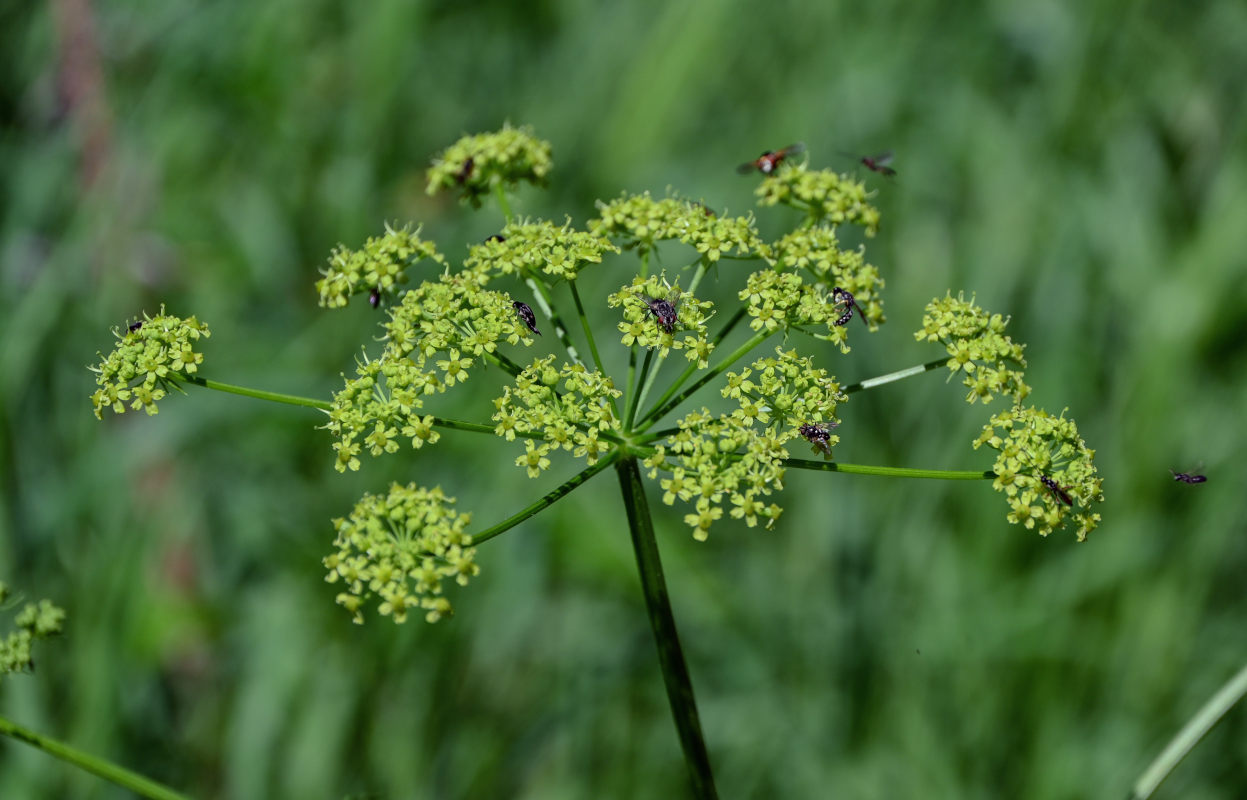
[
  {"x": 1045, "y": 470},
  {"x": 376, "y": 269},
  {"x": 148, "y": 359},
  {"x": 439, "y": 329},
  {"x": 475, "y": 164},
  {"x": 978, "y": 346},
  {"x": 639, "y": 221},
  {"x": 399, "y": 547},
  {"x": 776, "y": 398}
]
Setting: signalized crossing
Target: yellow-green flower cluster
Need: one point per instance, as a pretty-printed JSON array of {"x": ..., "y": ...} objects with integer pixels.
[
  {"x": 977, "y": 344},
  {"x": 642, "y": 326},
  {"x": 35, "y": 621},
  {"x": 399, "y": 547},
  {"x": 375, "y": 269},
  {"x": 704, "y": 459},
  {"x": 786, "y": 392},
  {"x": 1035, "y": 447},
  {"x": 539, "y": 246},
  {"x": 569, "y": 406},
  {"x": 817, "y": 251},
  {"x": 706, "y": 465},
  {"x": 439, "y": 331},
  {"x": 474, "y": 164},
  {"x": 640, "y": 221},
  {"x": 146, "y": 362},
  {"x": 824, "y": 195},
  {"x": 782, "y": 300}
]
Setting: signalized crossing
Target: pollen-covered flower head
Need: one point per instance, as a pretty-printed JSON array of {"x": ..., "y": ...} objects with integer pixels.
[
  {"x": 640, "y": 221},
  {"x": 658, "y": 314},
  {"x": 538, "y": 246},
  {"x": 1045, "y": 470},
  {"x": 146, "y": 363},
  {"x": 376, "y": 269},
  {"x": 398, "y": 548},
  {"x": 978, "y": 346},
  {"x": 824, "y": 195},
  {"x": 475, "y": 164}
]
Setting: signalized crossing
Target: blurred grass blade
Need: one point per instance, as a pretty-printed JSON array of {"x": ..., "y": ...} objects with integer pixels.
[{"x": 1190, "y": 735}]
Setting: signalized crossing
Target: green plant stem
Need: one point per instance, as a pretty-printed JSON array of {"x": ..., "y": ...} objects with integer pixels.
[
  {"x": 593, "y": 348},
  {"x": 900, "y": 374},
  {"x": 503, "y": 363},
  {"x": 891, "y": 472},
  {"x": 660, "y": 411},
  {"x": 107, "y": 770},
  {"x": 546, "y": 501},
  {"x": 505, "y": 205},
  {"x": 541, "y": 293},
  {"x": 670, "y": 655},
  {"x": 1190, "y": 735},
  {"x": 634, "y": 397},
  {"x": 692, "y": 367}
]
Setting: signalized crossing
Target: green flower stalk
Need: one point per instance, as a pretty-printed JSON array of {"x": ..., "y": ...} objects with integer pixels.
[
  {"x": 1045, "y": 470},
  {"x": 146, "y": 363}
]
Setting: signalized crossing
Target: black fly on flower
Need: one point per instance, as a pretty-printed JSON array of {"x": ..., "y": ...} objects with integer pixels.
[
  {"x": 1058, "y": 491},
  {"x": 134, "y": 326},
  {"x": 374, "y": 298},
  {"x": 819, "y": 435},
  {"x": 665, "y": 310},
  {"x": 842, "y": 297},
  {"x": 525, "y": 313}
]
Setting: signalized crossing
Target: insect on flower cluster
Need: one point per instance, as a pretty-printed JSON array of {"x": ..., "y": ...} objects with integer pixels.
[{"x": 444, "y": 322}]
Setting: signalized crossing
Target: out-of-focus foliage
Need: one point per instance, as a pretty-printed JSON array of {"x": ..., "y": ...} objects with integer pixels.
[{"x": 1082, "y": 168}]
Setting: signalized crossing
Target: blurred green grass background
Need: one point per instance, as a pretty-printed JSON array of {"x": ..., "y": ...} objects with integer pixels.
[{"x": 1081, "y": 166}]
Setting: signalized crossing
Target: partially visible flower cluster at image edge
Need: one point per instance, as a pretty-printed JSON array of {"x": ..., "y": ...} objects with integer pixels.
[{"x": 35, "y": 621}]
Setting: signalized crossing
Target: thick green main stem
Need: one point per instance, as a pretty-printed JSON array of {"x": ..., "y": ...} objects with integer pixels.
[
  {"x": 670, "y": 655},
  {"x": 1198, "y": 727},
  {"x": 144, "y": 787}
]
